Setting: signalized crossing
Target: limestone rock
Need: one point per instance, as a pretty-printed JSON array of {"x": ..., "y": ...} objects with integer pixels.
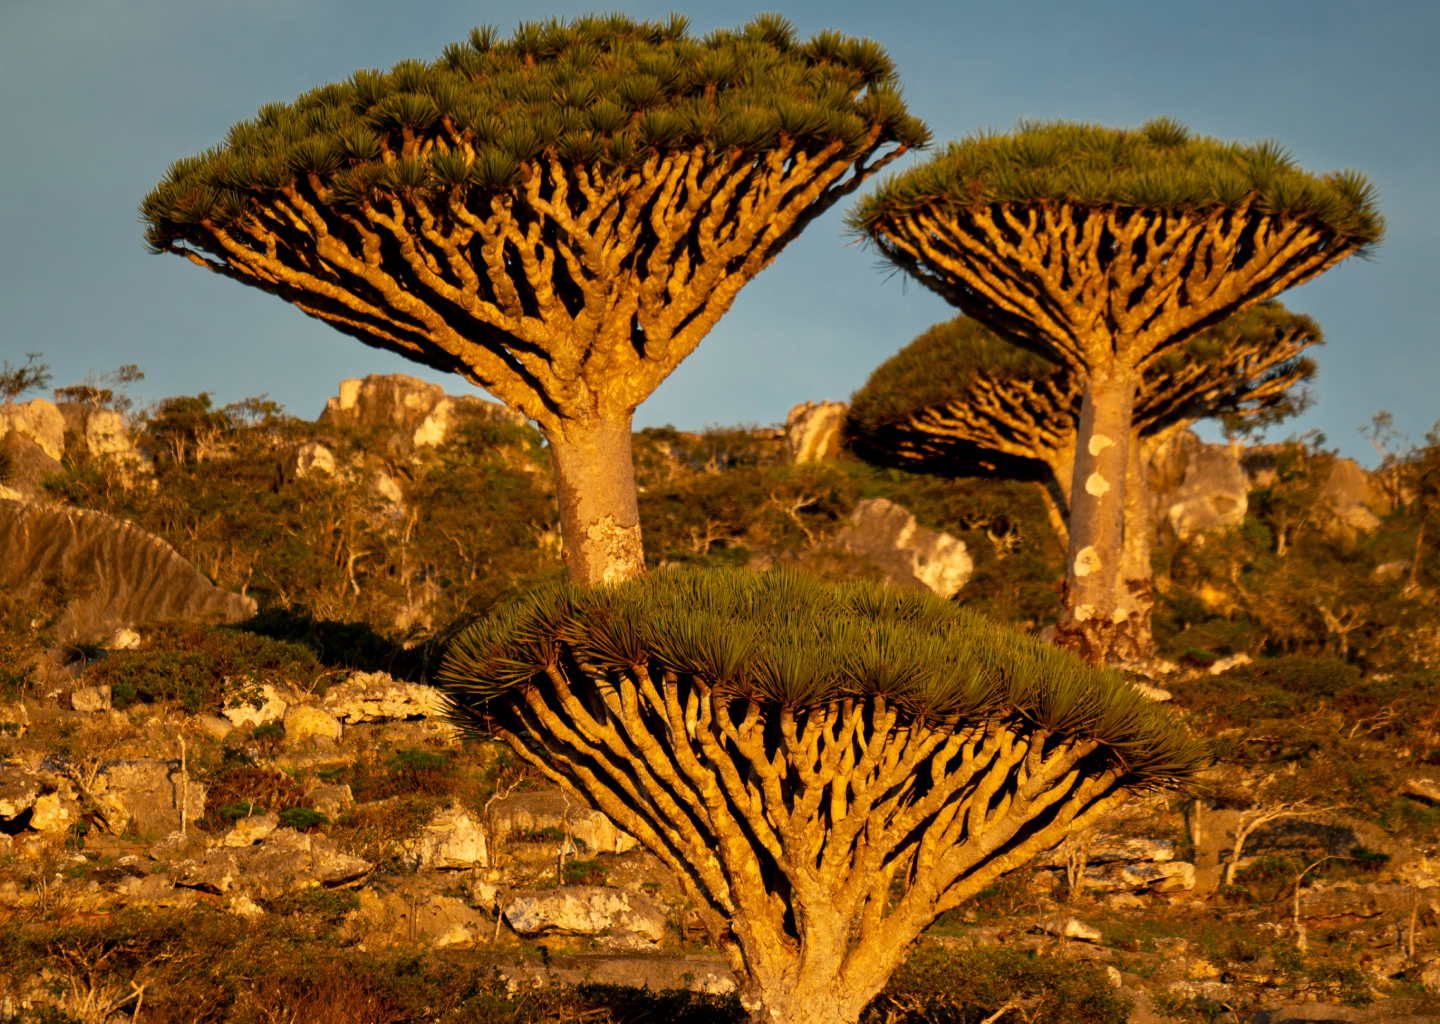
[
  {"x": 27, "y": 470},
  {"x": 1425, "y": 789},
  {"x": 384, "y": 487},
  {"x": 1226, "y": 664},
  {"x": 388, "y": 917},
  {"x": 586, "y": 910},
  {"x": 534, "y": 812},
  {"x": 243, "y": 906},
  {"x": 19, "y": 789},
  {"x": 450, "y": 840},
  {"x": 123, "y": 640},
  {"x": 128, "y": 576},
  {"x": 376, "y": 697},
  {"x": 1154, "y": 693},
  {"x": 103, "y": 431},
  {"x": 14, "y": 721},
  {"x": 214, "y": 725},
  {"x": 91, "y": 699},
  {"x": 331, "y": 800},
  {"x": 148, "y": 792},
  {"x": 39, "y": 421},
  {"x": 250, "y": 830},
  {"x": 1068, "y": 928},
  {"x": 50, "y": 814},
  {"x": 305, "y": 723},
  {"x": 1430, "y": 976},
  {"x": 812, "y": 431},
  {"x": 392, "y": 400},
  {"x": 1107, "y": 849},
  {"x": 146, "y": 888},
  {"x": 910, "y": 555},
  {"x": 449, "y": 412},
  {"x": 241, "y": 705},
  {"x": 1171, "y": 876},
  {"x": 1213, "y": 491},
  {"x": 283, "y": 861},
  {"x": 309, "y": 459},
  {"x": 1347, "y": 489}
]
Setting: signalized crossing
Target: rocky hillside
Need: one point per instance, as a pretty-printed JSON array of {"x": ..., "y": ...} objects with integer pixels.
[{"x": 234, "y": 812}]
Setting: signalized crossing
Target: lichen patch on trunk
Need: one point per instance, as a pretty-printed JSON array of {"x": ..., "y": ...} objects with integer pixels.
[
  {"x": 1098, "y": 443},
  {"x": 1097, "y": 485},
  {"x": 1087, "y": 561},
  {"x": 619, "y": 549}
]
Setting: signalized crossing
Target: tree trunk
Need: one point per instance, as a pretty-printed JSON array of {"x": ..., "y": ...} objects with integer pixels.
[
  {"x": 1092, "y": 620},
  {"x": 595, "y": 485},
  {"x": 1135, "y": 590}
]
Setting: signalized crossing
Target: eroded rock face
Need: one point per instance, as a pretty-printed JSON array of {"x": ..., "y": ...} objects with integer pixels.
[
  {"x": 812, "y": 431},
  {"x": 254, "y": 705},
  {"x": 586, "y": 910},
  {"x": 451, "y": 840},
  {"x": 534, "y": 812},
  {"x": 19, "y": 789},
  {"x": 102, "y": 431},
  {"x": 1347, "y": 489},
  {"x": 283, "y": 861},
  {"x": 1203, "y": 486},
  {"x": 389, "y": 917},
  {"x": 910, "y": 555},
  {"x": 305, "y": 723},
  {"x": 125, "y": 575},
  {"x": 310, "y": 459},
  {"x": 148, "y": 792},
  {"x": 38, "y": 420},
  {"x": 29, "y": 465}
]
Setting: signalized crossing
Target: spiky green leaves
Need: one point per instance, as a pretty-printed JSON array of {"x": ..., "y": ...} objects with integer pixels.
[
  {"x": 1162, "y": 165},
  {"x": 599, "y": 92},
  {"x": 790, "y": 640}
]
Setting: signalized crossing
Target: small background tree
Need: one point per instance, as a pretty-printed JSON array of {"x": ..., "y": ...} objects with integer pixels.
[
  {"x": 825, "y": 768},
  {"x": 559, "y": 217},
  {"x": 960, "y": 401},
  {"x": 1102, "y": 250}
]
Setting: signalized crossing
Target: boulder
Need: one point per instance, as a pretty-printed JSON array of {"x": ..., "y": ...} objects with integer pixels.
[
  {"x": 1347, "y": 490},
  {"x": 813, "y": 431},
  {"x": 910, "y": 555},
  {"x": 91, "y": 699},
  {"x": 449, "y": 412},
  {"x": 19, "y": 788},
  {"x": 1426, "y": 789},
  {"x": 1226, "y": 664},
  {"x": 251, "y": 704},
  {"x": 551, "y": 808},
  {"x": 124, "y": 575},
  {"x": 250, "y": 830},
  {"x": 310, "y": 459},
  {"x": 451, "y": 839},
  {"x": 14, "y": 721},
  {"x": 145, "y": 889},
  {"x": 306, "y": 723},
  {"x": 331, "y": 800},
  {"x": 389, "y": 917},
  {"x": 283, "y": 861},
  {"x": 1211, "y": 489},
  {"x": 147, "y": 791},
  {"x": 37, "y": 420},
  {"x": 376, "y": 697},
  {"x": 214, "y": 725},
  {"x": 1068, "y": 928},
  {"x": 25, "y": 468},
  {"x": 1170, "y": 876},
  {"x": 53, "y": 813},
  {"x": 586, "y": 910}
]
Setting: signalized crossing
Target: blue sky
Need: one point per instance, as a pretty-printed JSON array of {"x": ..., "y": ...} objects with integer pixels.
[{"x": 98, "y": 97}]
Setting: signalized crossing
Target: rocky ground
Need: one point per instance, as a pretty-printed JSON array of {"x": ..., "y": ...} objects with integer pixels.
[{"x": 357, "y": 810}]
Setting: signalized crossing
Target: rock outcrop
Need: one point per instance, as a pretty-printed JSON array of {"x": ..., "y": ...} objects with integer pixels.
[
  {"x": 909, "y": 554},
  {"x": 812, "y": 431},
  {"x": 1197, "y": 486},
  {"x": 283, "y": 861},
  {"x": 551, "y": 809},
  {"x": 627, "y": 919},
  {"x": 377, "y": 697},
  {"x": 420, "y": 410},
  {"x": 123, "y": 575},
  {"x": 39, "y": 421},
  {"x": 25, "y": 466}
]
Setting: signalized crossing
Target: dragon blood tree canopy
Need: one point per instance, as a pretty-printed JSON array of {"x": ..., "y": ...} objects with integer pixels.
[
  {"x": 826, "y": 768},
  {"x": 1101, "y": 250},
  {"x": 559, "y": 217},
  {"x": 959, "y": 401}
]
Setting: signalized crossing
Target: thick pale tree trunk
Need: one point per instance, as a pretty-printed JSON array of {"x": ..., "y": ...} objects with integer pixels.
[
  {"x": 1092, "y": 619},
  {"x": 1135, "y": 592},
  {"x": 595, "y": 485}
]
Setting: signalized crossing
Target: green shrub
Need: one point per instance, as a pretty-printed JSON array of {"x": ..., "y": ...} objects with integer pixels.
[{"x": 302, "y": 819}]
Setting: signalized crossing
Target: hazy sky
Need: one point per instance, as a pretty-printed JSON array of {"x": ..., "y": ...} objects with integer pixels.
[{"x": 98, "y": 97}]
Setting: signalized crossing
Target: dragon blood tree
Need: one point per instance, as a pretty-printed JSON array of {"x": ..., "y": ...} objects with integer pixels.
[
  {"x": 958, "y": 401},
  {"x": 1101, "y": 250},
  {"x": 559, "y": 217},
  {"x": 826, "y": 768}
]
